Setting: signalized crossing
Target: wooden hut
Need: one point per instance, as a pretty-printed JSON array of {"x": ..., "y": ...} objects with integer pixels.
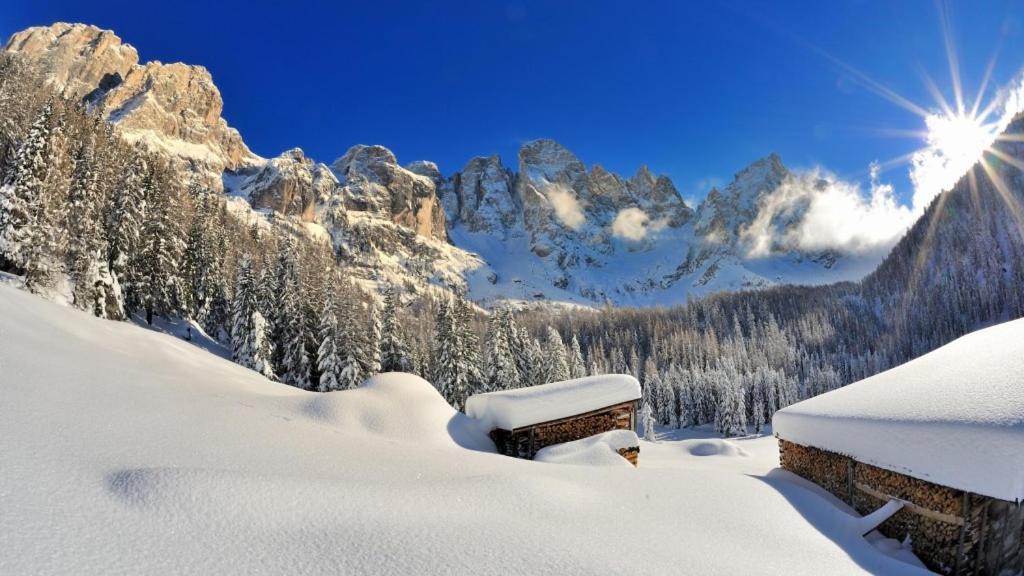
[
  {"x": 942, "y": 436},
  {"x": 525, "y": 420}
]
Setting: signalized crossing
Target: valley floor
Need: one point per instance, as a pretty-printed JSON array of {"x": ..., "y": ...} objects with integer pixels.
[{"x": 127, "y": 451}]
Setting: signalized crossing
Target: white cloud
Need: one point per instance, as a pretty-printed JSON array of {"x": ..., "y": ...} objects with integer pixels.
[
  {"x": 631, "y": 224},
  {"x": 567, "y": 207},
  {"x": 634, "y": 224},
  {"x": 815, "y": 210}
]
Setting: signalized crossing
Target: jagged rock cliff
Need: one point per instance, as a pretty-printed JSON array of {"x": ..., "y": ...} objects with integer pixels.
[{"x": 174, "y": 108}]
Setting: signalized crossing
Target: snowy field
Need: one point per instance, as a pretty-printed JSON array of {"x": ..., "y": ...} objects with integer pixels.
[{"x": 127, "y": 451}]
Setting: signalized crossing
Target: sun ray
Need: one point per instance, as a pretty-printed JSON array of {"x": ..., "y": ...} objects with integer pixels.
[
  {"x": 1012, "y": 204},
  {"x": 954, "y": 63},
  {"x": 936, "y": 94},
  {"x": 985, "y": 79},
  {"x": 926, "y": 246}
]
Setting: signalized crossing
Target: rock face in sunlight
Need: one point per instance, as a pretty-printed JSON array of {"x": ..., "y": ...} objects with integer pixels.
[{"x": 173, "y": 108}]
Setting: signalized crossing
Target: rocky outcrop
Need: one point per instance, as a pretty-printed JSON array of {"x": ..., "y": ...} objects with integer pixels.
[
  {"x": 372, "y": 181},
  {"x": 291, "y": 184},
  {"x": 173, "y": 108},
  {"x": 482, "y": 196}
]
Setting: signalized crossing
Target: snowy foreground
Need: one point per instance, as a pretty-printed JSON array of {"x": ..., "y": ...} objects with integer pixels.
[{"x": 126, "y": 451}]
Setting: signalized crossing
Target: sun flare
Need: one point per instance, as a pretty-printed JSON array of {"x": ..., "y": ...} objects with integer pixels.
[{"x": 959, "y": 138}]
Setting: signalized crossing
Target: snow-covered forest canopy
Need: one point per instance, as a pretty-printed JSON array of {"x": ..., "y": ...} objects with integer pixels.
[{"x": 107, "y": 227}]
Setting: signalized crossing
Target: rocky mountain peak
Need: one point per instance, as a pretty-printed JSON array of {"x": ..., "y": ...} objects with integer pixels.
[
  {"x": 374, "y": 182},
  {"x": 549, "y": 160},
  {"x": 76, "y": 58},
  {"x": 172, "y": 108}
]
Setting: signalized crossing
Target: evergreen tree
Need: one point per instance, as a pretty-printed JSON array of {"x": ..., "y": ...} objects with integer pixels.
[
  {"x": 158, "y": 288},
  {"x": 289, "y": 324},
  {"x": 394, "y": 353},
  {"x": 329, "y": 361},
  {"x": 26, "y": 230},
  {"x": 647, "y": 422},
  {"x": 554, "y": 365},
  {"x": 86, "y": 256},
  {"x": 250, "y": 345},
  {"x": 351, "y": 340},
  {"x": 500, "y": 371},
  {"x": 374, "y": 339},
  {"x": 577, "y": 368},
  {"x": 455, "y": 374},
  {"x": 124, "y": 230}
]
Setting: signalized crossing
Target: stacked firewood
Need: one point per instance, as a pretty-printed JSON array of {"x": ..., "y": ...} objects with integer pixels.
[{"x": 826, "y": 469}]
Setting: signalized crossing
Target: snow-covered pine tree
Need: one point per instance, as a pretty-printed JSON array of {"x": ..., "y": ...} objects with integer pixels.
[
  {"x": 757, "y": 405},
  {"x": 159, "y": 287},
  {"x": 329, "y": 362},
  {"x": 124, "y": 230},
  {"x": 577, "y": 368},
  {"x": 202, "y": 261},
  {"x": 555, "y": 366},
  {"x": 647, "y": 421},
  {"x": 249, "y": 330},
  {"x": 289, "y": 322},
  {"x": 500, "y": 371},
  {"x": 453, "y": 374},
  {"x": 394, "y": 353},
  {"x": 23, "y": 214},
  {"x": 351, "y": 339},
  {"x": 373, "y": 339},
  {"x": 86, "y": 254},
  {"x": 535, "y": 372}
]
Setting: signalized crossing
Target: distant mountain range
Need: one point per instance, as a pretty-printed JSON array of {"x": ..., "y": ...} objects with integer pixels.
[{"x": 548, "y": 230}]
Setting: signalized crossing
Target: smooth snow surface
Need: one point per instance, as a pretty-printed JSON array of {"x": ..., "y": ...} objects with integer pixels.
[
  {"x": 127, "y": 451},
  {"x": 954, "y": 416},
  {"x": 598, "y": 450},
  {"x": 511, "y": 409}
]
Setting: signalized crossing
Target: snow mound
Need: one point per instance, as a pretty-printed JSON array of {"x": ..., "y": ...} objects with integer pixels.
[
  {"x": 511, "y": 409},
  {"x": 713, "y": 447},
  {"x": 954, "y": 416},
  {"x": 598, "y": 450},
  {"x": 401, "y": 407}
]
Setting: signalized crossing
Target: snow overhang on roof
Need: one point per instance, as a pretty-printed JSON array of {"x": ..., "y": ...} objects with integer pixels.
[
  {"x": 954, "y": 416},
  {"x": 511, "y": 409}
]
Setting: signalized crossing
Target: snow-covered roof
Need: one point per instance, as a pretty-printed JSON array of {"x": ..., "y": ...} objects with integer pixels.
[
  {"x": 511, "y": 409},
  {"x": 954, "y": 416}
]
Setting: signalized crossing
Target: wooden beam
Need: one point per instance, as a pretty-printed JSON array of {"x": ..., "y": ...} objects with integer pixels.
[{"x": 910, "y": 506}]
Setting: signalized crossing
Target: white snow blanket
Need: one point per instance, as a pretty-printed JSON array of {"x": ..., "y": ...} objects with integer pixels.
[
  {"x": 954, "y": 416},
  {"x": 511, "y": 409},
  {"x": 126, "y": 451},
  {"x": 598, "y": 450}
]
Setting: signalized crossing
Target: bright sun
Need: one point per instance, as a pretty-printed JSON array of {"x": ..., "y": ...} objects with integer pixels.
[{"x": 959, "y": 138}]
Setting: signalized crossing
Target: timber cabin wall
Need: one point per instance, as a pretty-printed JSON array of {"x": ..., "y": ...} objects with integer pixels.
[
  {"x": 526, "y": 441},
  {"x": 953, "y": 532}
]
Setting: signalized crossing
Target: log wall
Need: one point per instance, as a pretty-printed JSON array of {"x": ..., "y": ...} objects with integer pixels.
[
  {"x": 953, "y": 532},
  {"x": 525, "y": 442}
]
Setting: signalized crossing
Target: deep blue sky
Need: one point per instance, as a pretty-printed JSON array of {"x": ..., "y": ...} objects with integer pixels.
[{"x": 696, "y": 90}]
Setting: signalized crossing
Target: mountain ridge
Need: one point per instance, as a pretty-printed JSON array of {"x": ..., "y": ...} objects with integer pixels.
[{"x": 551, "y": 229}]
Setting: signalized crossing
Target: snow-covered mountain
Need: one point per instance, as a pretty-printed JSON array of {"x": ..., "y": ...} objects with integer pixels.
[{"x": 550, "y": 230}]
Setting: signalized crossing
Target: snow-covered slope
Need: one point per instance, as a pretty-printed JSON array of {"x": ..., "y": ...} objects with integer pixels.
[
  {"x": 954, "y": 416},
  {"x": 127, "y": 451}
]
